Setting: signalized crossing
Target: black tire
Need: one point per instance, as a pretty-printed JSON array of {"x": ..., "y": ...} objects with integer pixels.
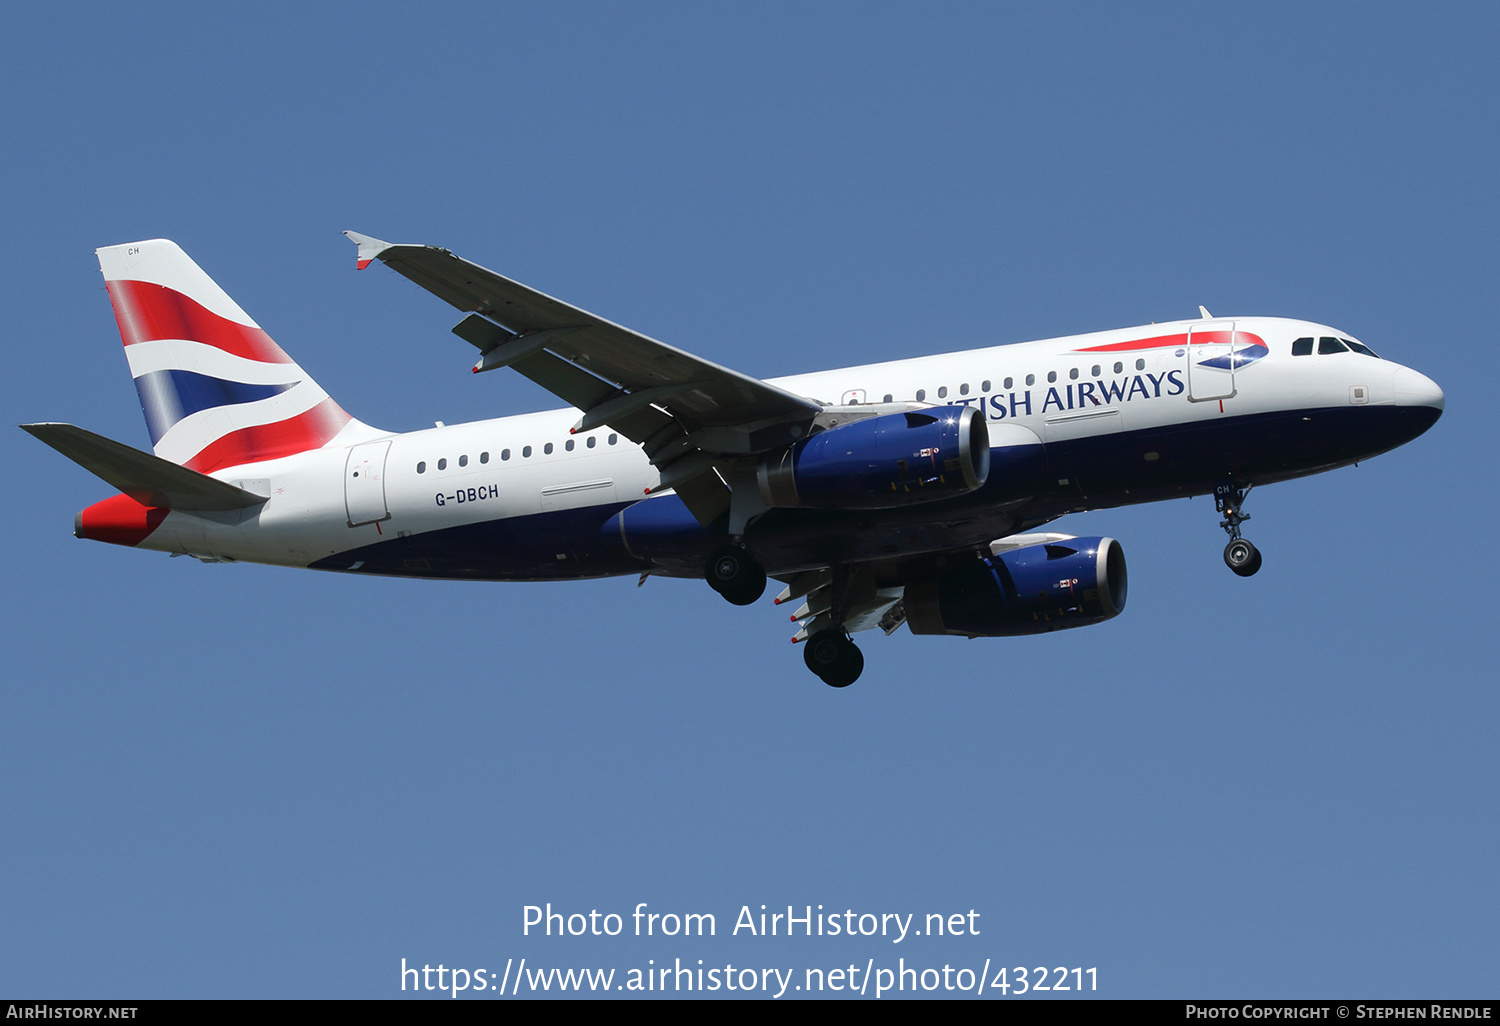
[
  {"x": 836, "y": 660},
  {"x": 1241, "y": 556},
  {"x": 824, "y": 651},
  {"x": 849, "y": 672},
  {"x": 734, "y": 573}
]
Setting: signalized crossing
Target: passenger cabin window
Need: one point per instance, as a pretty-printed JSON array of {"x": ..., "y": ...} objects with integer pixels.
[
  {"x": 1010, "y": 382},
  {"x": 1140, "y": 365},
  {"x": 1031, "y": 379},
  {"x": 505, "y": 454},
  {"x": 443, "y": 463},
  {"x": 592, "y": 441},
  {"x": 921, "y": 394},
  {"x": 889, "y": 397},
  {"x": 1073, "y": 374},
  {"x": 484, "y": 457},
  {"x": 984, "y": 387},
  {"x": 1095, "y": 371},
  {"x": 1302, "y": 347},
  {"x": 422, "y": 467},
  {"x": 943, "y": 392},
  {"x": 547, "y": 449},
  {"x": 568, "y": 445},
  {"x": 1051, "y": 376},
  {"x": 1328, "y": 345},
  {"x": 526, "y": 453},
  {"x": 463, "y": 461},
  {"x": 613, "y": 439},
  {"x": 1119, "y": 367}
]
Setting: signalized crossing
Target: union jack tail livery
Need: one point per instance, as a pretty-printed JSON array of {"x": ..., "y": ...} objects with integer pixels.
[{"x": 217, "y": 392}]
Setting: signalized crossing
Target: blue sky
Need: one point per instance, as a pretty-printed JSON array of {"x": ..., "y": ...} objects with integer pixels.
[{"x": 249, "y": 781}]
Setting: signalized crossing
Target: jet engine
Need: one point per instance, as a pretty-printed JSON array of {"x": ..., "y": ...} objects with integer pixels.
[
  {"x": 896, "y": 460},
  {"x": 1031, "y": 590}
]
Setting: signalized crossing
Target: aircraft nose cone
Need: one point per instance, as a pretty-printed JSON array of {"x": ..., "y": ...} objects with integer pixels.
[{"x": 1416, "y": 389}]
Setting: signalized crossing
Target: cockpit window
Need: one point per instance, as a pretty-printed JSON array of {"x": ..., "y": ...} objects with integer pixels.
[
  {"x": 1302, "y": 347},
  {"x": 1328, "y": 345},
  {"x": 1359, "y": 347}
]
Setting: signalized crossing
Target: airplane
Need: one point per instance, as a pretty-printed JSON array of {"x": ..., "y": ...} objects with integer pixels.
[{"x": 909, "y": 492}]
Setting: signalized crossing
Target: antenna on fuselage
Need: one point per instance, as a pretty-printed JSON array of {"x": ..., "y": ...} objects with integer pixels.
[{"x": 1204, "y": 311}]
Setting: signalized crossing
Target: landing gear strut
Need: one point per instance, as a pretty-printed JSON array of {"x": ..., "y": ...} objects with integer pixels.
[
  {"x": 834, "y": 658},
  {"x": 1240, "y": 555},
  {"x": 733, "y": 572}
]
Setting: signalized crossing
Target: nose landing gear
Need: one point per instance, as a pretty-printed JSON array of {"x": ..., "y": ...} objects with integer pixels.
[{"x": 1240, "y": 555}]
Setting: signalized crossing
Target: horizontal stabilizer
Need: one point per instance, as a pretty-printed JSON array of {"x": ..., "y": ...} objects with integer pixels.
[{"x": 149, "y": 480}]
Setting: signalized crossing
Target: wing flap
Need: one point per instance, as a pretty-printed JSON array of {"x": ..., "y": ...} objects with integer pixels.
[
  {"x": 704, "y": 494},
  {"x": 844, "y": 596}
]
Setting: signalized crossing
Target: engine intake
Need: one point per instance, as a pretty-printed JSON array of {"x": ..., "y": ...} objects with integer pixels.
[
  {"x": 1032, "y": 590},
  {"x": 895, "y": 460}
]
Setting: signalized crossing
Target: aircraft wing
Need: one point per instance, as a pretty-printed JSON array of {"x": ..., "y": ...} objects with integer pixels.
[{"x": 684, "y": 410}]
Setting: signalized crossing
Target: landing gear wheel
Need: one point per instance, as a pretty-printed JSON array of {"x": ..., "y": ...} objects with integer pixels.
[
  {"x": 1239, "y": 555},
  {"x": 734, "y": 573},
  {"x": 836, "y": 660},
  {"x": 849, "y": 672},
  {"x": 1242, "y": 557}
]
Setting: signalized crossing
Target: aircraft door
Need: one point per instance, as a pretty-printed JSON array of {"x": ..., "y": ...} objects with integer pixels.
[
  {"x": 1211, "y": 356},
  {"x": 364, "y": 483}
]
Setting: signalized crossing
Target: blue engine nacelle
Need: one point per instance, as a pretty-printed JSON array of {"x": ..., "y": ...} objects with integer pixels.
[
  {"x": 1031, "y": 590},
  {"x": 895, "y": 460}
]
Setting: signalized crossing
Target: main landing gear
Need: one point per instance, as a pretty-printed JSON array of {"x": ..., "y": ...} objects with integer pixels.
[
  {"x": 1240, "y": 555},
  {"x": 733, "y": 572},
  {"x": 834, "y": 658}
]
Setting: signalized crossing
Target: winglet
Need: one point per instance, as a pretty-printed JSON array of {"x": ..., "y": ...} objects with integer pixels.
[{"x": 369, "y": 249}]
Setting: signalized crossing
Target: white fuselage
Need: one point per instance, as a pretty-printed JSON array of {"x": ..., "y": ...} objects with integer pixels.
[{"x": 1069, "y": 389}]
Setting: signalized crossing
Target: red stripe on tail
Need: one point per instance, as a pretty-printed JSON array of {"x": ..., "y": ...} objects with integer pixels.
[
  {"x": 311, "y": 430},
  {"x": 147, "y": 312}
]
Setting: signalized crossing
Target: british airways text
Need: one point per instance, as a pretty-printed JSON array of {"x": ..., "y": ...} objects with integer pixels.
[{"x": 1083, "y": 395}]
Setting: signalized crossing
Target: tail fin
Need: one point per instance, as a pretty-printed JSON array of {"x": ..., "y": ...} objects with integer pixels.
[{"x": 216, "y": 390}]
